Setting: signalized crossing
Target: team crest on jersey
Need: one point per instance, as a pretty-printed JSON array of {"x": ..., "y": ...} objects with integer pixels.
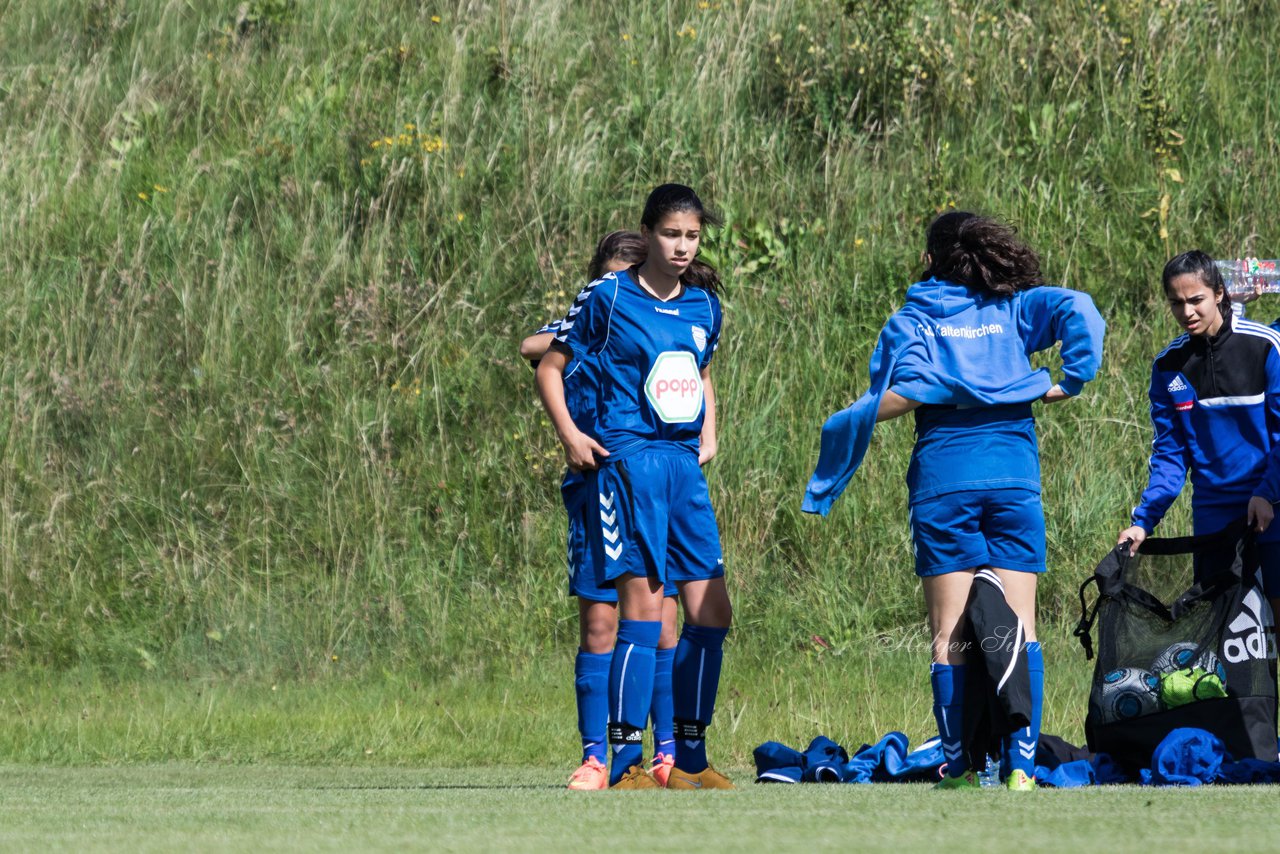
[{"x": 699, "y": 338}]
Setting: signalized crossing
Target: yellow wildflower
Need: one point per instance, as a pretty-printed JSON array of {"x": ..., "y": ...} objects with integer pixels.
[{"x": 460, "y": 216}]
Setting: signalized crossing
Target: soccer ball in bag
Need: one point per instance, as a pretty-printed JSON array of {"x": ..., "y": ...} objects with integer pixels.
[
  {"x": 1129, "y": 692},
  {"x": 1182, "y": 656}
]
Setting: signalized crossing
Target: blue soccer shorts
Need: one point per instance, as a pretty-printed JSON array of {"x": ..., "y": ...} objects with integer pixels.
[
  {"x": 583, "y": 520},
  {"x": 1002, "y": 528},
  {"x": 654, "y": 519}
]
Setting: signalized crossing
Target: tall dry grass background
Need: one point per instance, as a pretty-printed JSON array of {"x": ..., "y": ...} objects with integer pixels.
[{"x": 266, "y": 265}]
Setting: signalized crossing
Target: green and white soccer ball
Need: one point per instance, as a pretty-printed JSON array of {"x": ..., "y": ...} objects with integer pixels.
[{"x": 1127, "y": 693}]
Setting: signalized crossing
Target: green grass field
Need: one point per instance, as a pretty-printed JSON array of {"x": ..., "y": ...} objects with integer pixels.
[{"x": 287, "y": 808}]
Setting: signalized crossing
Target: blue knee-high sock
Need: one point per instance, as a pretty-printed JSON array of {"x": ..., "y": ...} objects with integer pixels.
[
  {"x": 591, "y": 682},
  {"x": 1020, "y": 747},
  {"x": 662, "y": 710},
  {"x": 695, "y": 680},
  {"x": 947, "y": 681},
  {"x": 630, "y": 691}
]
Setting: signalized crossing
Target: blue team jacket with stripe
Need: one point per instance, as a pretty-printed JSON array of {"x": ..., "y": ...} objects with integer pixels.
[{"x": 1215, "y": 407}]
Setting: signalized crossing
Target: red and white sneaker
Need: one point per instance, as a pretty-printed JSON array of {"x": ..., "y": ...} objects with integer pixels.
[
  {"x": 590, "y": 776},
  {"x": 661, "y": 767}
]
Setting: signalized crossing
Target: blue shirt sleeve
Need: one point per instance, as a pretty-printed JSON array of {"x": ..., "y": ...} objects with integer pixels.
[
  {"x": 713, "y": 336},
  {"x": 1269, "y": 488},
  {"x": 1167, "y": 468},
  {"x": 1048, "y": 315},
  {"x": 584, "y": 329}
]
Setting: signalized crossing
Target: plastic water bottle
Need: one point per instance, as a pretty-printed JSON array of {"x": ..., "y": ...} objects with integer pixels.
[
  {"x": 1247, "y": 276},
  {"x": 990, "y": 776}
]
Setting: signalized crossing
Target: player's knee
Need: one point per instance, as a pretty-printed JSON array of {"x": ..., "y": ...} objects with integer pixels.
[{"x": 599, "y": 631}]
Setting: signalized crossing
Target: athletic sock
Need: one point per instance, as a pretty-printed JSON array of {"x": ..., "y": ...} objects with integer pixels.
[
  {"x": 695, "y": 680},
  {"x": 1020, "y": 746},
  {"x": 591, "y": 682},
  {"x": 630, "y": 691},
  {"x": 662, "y": 711},
  {"x": 947, "y": 681}
]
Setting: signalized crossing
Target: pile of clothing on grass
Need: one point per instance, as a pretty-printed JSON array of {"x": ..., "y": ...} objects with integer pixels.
[{"x": 1186, "y": 757}]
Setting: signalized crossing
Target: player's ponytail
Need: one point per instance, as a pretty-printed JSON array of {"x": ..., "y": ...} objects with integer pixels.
[
  {"x": 981, "y": 253},
  {"x": 1198, "y": 263},
  {"x": 702, "y": 275}
]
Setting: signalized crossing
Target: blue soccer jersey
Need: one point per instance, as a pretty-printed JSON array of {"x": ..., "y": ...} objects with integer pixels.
[{"x": 649, "y": 356}]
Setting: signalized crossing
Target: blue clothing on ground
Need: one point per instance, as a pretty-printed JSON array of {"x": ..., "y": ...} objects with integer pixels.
[
  {"x": 951, "y": 346},
  {"x": 963, "y": 530},
  {"x": 891, "y": 759},
  {"x": 1186, "y": 757}
]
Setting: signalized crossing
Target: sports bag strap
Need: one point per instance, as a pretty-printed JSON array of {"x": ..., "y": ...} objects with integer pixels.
[
  {"x": 1108, "y": 576},
  {"x": 1085, "y": 626}
]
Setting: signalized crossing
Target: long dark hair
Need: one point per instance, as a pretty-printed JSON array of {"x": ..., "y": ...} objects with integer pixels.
[
  {"x": 628, "y": 246},
  {"x": 677, "y": 198},
  {"x": 1199, "y": 264},
  {"x": 981, "y": 253}
]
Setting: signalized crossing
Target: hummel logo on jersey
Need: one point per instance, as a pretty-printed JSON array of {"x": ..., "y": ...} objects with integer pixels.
[
  {"x": 1178, "y": 384},
  {"x": 672, "y": 311}
]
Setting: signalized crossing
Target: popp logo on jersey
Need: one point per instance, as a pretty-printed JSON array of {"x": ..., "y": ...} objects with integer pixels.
[{"x": 674, "y": 387}]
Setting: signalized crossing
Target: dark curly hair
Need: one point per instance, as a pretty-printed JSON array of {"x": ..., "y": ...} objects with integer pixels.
[{"x": 981, "y": 253}]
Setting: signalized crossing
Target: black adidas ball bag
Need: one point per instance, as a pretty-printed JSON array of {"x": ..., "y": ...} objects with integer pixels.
[{"x": 1207, "y": 659}]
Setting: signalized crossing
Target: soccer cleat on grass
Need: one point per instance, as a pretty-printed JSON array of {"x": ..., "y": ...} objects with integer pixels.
[
  {"x": 967, "y": 780},
  {"x": 636, "y": 778},
  {"x": 1018, "y": 781},
  {"x": 661, "y": 767},
  {"x": 590, "y": 776},
  {"x": 707, "y": 779}
]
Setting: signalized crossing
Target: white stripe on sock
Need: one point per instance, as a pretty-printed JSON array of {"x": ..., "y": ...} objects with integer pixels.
[{"x": 626, "y": 658}]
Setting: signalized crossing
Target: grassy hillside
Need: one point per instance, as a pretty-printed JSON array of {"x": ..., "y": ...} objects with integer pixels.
[{"x": 266, "y": 265}]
